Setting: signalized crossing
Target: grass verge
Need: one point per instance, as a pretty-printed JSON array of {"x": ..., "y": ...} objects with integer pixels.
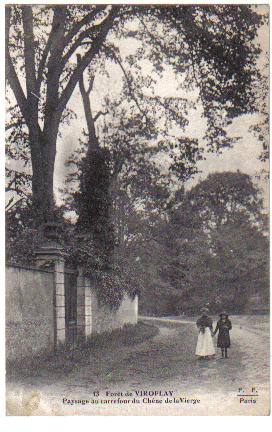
[{"x": 66, "y": 359}]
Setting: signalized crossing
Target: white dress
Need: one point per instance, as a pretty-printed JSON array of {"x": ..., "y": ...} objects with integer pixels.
[{"x": 204, "y": 346}]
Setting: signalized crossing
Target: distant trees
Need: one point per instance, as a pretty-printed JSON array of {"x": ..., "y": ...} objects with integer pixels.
[
  {"x": 228, "y": 197},
  {"x": 215, "y": 247},
  {"x": 241, "y": 265}
]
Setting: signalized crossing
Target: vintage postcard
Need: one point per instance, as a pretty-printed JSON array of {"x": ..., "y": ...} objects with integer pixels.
[{"x": 137, "y": 207}]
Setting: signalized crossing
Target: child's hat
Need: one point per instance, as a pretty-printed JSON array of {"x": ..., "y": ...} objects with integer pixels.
[
  {"x": 223, "y": 314},
  {"x": 204, "y": 310}
]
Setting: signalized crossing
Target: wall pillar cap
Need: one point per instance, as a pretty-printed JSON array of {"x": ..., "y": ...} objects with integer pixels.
[{"x": 49, "y": 253}]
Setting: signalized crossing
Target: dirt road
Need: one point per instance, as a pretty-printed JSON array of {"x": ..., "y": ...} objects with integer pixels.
[{"x": 165, "y": 363}]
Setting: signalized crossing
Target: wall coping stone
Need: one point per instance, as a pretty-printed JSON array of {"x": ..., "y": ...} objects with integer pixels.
[
  {"x": 40, "y": 269},
  {"x": 25, "y": 267}
]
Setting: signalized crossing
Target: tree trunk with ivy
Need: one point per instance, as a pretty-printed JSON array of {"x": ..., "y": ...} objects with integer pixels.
[{"x": 94, "y": 198}]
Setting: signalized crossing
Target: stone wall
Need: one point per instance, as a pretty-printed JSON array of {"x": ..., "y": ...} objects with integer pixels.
[
  {"x": 35, "y": 311},
  {"x": 94, "y": 318},
  {"x": 106, "y": 319},
  {"x": 29, "y": 312}
]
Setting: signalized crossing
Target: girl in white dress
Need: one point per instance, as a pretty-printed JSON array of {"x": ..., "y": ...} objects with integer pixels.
[{"x": 204, "y": 347}]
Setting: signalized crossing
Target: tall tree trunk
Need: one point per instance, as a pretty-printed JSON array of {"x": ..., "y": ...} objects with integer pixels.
[
  {"x": 43, "y": 153},
  {"x": 42, "y": 189},
  {"x": 38, "y": 192}
]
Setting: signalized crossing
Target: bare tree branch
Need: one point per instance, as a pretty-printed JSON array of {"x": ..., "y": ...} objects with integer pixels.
[
  {"x": 56, "y": 40},
  {"x": 90, "y": 87},
  {"x": 30, "y": 62},
  {"x": 87, "y": 33},
  {"x": 14, "y": 124},
  {"x": 128, "y": 81},
  {"x": 43, "y": 59},
  {"x": 86, "y": 20},
  {"x": 54, "y": 68},
  {"x": 11, "y": 74},
  {"x": 98, "y": 42},
  {"x": 100, "y": 113},
  {"x": 9, "y": 202},
  {"x": 88, "y": 112}
]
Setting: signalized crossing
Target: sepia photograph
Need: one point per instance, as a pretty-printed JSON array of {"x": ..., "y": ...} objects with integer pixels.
[{"x": 137, "y": 209}]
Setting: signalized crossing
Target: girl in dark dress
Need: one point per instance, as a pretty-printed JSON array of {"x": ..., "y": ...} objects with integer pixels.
[{"x": 223, "y": 326}]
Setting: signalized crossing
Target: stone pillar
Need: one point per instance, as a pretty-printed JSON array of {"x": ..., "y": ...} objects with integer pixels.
[
  {"x": 49, "y": 255},
  {"x": 84, "y": 310},
  {"x": 135, "y": 301},
  {"x": 59, "y": 301}
]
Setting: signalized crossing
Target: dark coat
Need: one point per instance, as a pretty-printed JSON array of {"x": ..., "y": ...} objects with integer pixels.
[
  {"x": 204, "y": 321},
  {"x": 223, "y": 340}
]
